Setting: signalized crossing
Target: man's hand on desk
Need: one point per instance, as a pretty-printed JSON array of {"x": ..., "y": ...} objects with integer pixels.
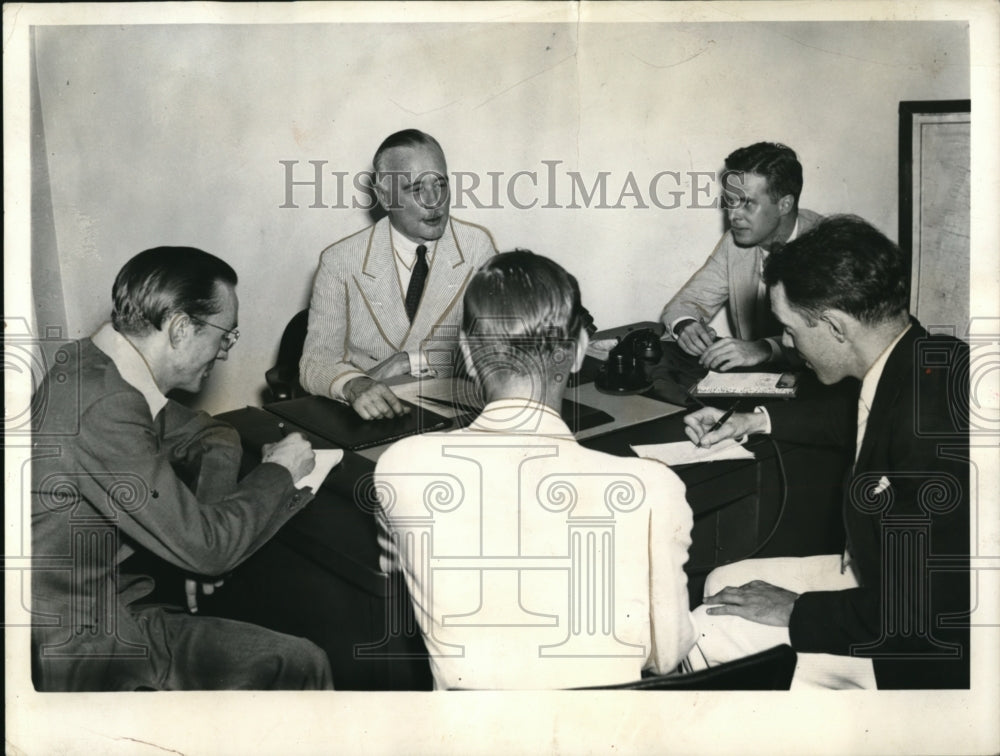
[
  {"x": 372, "y": 399},
  {"x": 293, "y": 453},
  {"x": 698, "y": 425},
  {"x": 694, "y": 337},
  {"x": 726, "y": 354},
  {"x": 756, "y": 601}
]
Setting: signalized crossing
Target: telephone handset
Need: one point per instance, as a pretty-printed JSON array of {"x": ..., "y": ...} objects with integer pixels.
[{"x": 625, "y": 369}]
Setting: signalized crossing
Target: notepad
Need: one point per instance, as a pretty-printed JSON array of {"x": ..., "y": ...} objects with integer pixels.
[
  {"x": 686, "y": 453},
  {"x": 750, "y": 384}
]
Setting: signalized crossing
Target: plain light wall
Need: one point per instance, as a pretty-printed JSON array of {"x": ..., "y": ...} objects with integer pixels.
[{"x": 160, "y": 135}]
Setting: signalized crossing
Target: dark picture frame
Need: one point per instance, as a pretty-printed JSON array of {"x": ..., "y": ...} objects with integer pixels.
[{"x": 931, "y": 134}]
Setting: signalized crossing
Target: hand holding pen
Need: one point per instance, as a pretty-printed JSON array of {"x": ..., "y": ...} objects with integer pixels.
[
  {"x": 725, "y": 416},
  {"x": 708, "y": 425},
  {"x": 292, "y": 452}
]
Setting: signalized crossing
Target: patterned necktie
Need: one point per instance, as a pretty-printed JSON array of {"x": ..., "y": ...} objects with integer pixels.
[{"x": 417, "y": 278}]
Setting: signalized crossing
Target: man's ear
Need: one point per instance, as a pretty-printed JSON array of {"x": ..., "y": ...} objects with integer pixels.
[
  {"x": 786, "y": 204},
  {"x": 838, "y": 322},
  {"x": 463, "y": 344},
  {"x": 179, "y": 328},
  {"x": 582, "y": 341},
  {"x": 382, "y": 193}
]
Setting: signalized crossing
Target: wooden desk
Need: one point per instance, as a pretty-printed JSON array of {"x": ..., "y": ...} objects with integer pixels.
[{"x": 320, "y": 577}]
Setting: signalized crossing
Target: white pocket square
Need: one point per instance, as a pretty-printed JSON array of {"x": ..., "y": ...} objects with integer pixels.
[{"x": 883, "y": 484}]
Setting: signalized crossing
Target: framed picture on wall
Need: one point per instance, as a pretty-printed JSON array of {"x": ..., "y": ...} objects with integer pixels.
[{"x": 934, "y": 167}]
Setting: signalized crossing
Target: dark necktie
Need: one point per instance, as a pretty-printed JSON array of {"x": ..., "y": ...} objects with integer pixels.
[
  {"x": 764, "y": 323},
  {"x": 417, "y": 278}
]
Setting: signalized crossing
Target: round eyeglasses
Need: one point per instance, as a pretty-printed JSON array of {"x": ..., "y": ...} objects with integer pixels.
[{"x": 232, "y": 335}]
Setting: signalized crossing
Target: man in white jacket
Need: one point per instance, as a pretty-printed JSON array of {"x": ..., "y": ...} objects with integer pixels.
[
  {"x": 387, "y": 300},
  {"x": 531, "y": 561}
]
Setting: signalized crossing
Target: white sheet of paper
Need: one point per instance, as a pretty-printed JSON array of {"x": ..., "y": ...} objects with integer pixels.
[
  {"x": 326, "y": 460},
  {"x": 686, "y": 453}
]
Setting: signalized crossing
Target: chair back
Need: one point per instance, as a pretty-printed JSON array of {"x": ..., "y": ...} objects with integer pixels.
[{"x": 283, "y": 378}]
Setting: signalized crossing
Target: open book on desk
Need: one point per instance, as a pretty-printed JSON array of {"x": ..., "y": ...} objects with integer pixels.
[{"x": 750, "y": 384}]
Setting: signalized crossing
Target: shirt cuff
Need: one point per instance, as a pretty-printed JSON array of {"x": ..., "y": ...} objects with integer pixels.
[
  {"x": 767, "y": 418},
  {"x": 776, "y": 351},
  {"x": 338, "y": 384},
  {"x": 419, "y": 367},
  {"x": 677, "y": 322}
]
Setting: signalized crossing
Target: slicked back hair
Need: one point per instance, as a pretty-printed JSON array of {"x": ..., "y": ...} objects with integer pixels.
[
  {"x": 162, "y": 281},
  {"x": 522, "y": 315},
  {"x": 404, "y": 138}
]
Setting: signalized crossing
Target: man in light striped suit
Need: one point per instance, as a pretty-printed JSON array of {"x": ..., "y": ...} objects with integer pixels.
[{"x": 387, "y": 300}]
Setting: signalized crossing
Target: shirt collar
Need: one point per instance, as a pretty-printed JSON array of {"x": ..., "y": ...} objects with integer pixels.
[
  {"x": 795, "y": 232},
  {"x": 132, "y": 366},
  {"x": 870, "y": 382},
  {"x": 520, "y": 416},
  {"x": 406, "y": 249}
]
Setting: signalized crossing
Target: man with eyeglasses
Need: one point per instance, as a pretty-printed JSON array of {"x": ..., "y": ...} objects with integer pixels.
[
  {"x": 123, "y": 476},
  {"x": 387, "y": 300}
]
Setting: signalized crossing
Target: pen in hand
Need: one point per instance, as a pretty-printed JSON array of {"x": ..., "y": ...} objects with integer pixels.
[{"x": 722, "y": 420}]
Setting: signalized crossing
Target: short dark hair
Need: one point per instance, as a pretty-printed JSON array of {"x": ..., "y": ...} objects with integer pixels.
[
  {"x": 842, "y": 263},
  {"x": 404, "y": 138},
  {"x": 159, "y": 282},
  {"x": 775, "y": 162},
  {"x": 521, "y": 311}
]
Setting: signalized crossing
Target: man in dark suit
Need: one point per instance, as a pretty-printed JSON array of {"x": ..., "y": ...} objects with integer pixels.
[
  {"x": 387, "y": 300},
  {"x": 122, "y": 475},
  {"x": 892, "y": 611}
]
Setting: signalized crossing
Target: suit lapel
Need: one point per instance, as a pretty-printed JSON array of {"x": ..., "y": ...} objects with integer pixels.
[
  {"x": 898, "y": 370},
  {"x": 443, "y": 291},
  {"x": 379, "y": 286}
]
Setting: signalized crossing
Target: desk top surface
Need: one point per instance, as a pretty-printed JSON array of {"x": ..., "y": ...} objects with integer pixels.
[{"x": 626, "y": 410}]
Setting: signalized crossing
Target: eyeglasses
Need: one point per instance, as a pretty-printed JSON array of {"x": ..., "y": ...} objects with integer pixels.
[{"x": 232, "y": 335}]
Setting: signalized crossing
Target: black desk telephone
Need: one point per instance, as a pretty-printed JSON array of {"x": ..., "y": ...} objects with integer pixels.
[{"x": 625, "y": 370}]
